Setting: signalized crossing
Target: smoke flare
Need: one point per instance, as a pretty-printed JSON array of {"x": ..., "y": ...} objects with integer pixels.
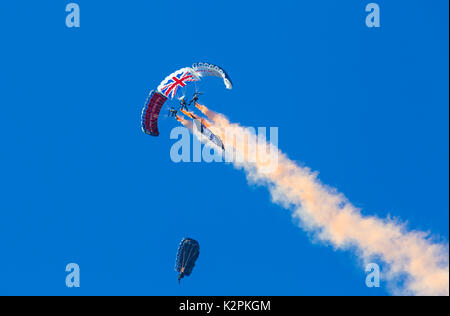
[{"x": 413, "y": 263}]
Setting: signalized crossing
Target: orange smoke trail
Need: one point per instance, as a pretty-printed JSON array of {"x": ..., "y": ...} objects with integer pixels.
[
  {"x": 186, "y": 123},
  {"x": 195, "y": 117},
  {"x": 411, "y": 256},
  {"x": 210, "y": 114},
  {"x": 189, "y": 114}
]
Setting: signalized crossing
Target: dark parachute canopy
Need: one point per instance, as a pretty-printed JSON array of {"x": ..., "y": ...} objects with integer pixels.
[
  {"x": 188, "y": 252},
  {"x": 150, "y": 113}
]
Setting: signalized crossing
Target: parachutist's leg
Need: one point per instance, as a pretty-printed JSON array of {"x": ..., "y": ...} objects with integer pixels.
[{"x": 180, "y": 276}]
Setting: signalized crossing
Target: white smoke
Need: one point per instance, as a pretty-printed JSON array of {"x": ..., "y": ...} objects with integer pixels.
[{"x": 414, "y": 264}]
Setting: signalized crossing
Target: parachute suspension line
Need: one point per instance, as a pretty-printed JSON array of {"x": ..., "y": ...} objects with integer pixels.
[
  {"x": 179, "y": 93},
  {"x": 184, "y": 89},
  {"x": 182, "y": 261},
  {"x": 190, "y": 253},
  {"x": 188, "y": 257},
  {"x": 196, "y": 87}
]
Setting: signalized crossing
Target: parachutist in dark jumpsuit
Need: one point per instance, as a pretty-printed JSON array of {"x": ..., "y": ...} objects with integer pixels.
[
  {"x": 183, "y": 104},
  {"x": 195, "y": 98},
  {"x": 172, "y": 112},
  {"x": 181, "y": 275}
]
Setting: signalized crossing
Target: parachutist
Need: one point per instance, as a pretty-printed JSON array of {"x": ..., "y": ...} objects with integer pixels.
[
  {"x": 183, "y": 104},
  {"x": 195, "y": 98},
  {"x": 172, "y": 112},
  {"x": 180, "y": 276}
]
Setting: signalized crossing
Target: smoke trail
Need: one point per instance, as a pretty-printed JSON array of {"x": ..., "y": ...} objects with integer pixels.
[
  {"x": 414, "y": 264},
  {"x": 186, "y": 123},
  {"x": 193, "y": 116}
]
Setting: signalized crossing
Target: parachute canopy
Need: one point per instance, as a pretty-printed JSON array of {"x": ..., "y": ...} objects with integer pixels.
[
  {"x": 207, "y": 69},
  {"x": 179, "y": 83},
  {"x": 150, "y": 113},
  {"x": 188, "y": 252},
  {"x": 180, "y": 78}
]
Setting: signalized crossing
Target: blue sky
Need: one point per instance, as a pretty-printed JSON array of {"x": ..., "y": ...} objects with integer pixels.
[{"x": 80, "y": 182}]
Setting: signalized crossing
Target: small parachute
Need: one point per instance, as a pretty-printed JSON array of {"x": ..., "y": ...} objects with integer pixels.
[
  {"x": 188, "y": 252},
  {"x": 150, "y": 113},
  {"x": 207, "y": 69}
]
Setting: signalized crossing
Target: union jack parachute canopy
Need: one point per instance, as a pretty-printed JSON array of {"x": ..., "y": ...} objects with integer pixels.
[
  {"x": 207, "y": 69},
  {"x": 176, "y": 84},
  {"x": 179, "y": 79}
]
